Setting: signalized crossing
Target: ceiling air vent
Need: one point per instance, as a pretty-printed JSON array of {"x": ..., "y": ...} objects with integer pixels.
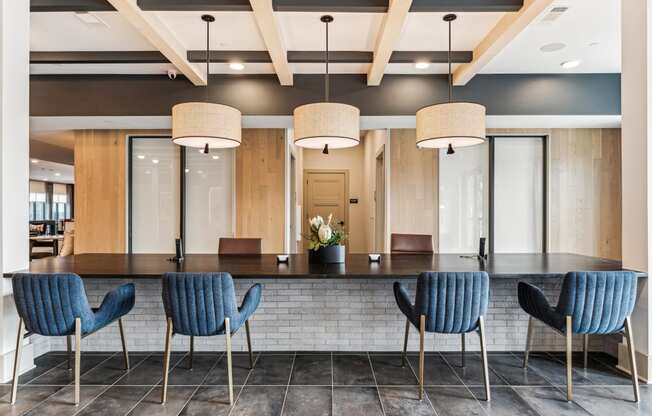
[
  {"x": 554, "y": 14},
  {"x": 90, "y": 19}
]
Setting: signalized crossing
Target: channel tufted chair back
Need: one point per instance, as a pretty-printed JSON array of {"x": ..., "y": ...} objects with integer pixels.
[
  {"x": 598, "y": 302},
  {"x": 49, "y": 303},
  {"x": 452, "y": 302},
  {"x": 199, "y": 302}
]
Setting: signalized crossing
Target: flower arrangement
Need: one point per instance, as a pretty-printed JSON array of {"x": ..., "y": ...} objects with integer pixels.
[{"x": 323, "y": 234}]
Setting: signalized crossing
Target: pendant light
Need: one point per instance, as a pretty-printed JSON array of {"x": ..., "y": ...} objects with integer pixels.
[
  {"x": 326, "y": 125},
  {"x": 451, "y": 124},
  {"x": 203, "y": 124}
]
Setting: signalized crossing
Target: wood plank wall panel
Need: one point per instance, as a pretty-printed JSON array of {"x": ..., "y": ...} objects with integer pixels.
[
  {"x": 101, "y": 189},
  {"x": 584, "y": 190},
  {"x": 260, "y": 187},
  {"x": 414, "y": 186}
]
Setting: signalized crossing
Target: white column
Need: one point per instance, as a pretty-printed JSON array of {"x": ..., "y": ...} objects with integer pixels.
[
  {"x": 636, "y": 165},
  {"x": 14, "y": 159}
]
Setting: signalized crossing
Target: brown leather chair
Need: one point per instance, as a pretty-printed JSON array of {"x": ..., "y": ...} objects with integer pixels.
[
  {"x": 240, "y": 246},
  {"x": 412, "y": 244}
]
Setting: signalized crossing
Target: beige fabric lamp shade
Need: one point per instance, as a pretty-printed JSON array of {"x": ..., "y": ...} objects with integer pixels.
[
  {"x": 333, "y": 124},
  {"x": 458, "y": 124},
  {"x": 198, "y": 124}
]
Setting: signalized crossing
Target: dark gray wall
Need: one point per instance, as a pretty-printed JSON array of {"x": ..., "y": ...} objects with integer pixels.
[{"x": 111, "y": 95}]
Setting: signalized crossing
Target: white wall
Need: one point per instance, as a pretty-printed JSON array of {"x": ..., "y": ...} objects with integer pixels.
[{"x": 14, "y": 153}]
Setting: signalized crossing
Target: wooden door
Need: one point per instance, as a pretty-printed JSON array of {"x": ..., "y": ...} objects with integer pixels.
[{"x": 326, "y": 193}]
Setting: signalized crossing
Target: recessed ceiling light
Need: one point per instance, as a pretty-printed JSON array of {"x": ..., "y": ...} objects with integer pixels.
[
  {"x": 571, "y": 64},
  {"x": 215, "y": 157},
  {"x": 57, "y": 174},
  {"x": 422, "y": 65},
  {"x": 155, "y": 161},
  {"x": 236, "y": 66},
  {"x": 46, "y": 178},
  {"x": 201, "y": 172},
  {"x": 141, "y": 156},
  {"x": 552, "y": 47},
  {"x": 187, "y": 170},
  {"x": 148, "y": 172},
  {"x": 592, "y": 44},
  {"x": 35, "y": 161}
]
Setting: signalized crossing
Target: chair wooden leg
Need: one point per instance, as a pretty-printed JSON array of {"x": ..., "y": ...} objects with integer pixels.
[
  {"x": 19, "y": 347},
  {"x": 528, "y": 341},
  {"x": 191, "y": 352},
  {"x": 485, "y": 364},
  {"x": 123, "y": 338},
  {"x": 69, "y": 349},
  {"x": 569, "y": 358},
  {"x": 463, "y": 350},
  {"x": 251, "y": 353},
  {"x": 78, "y": 335},
  {"x": 422, "y": 331},
  {"x": 229, "y": 364},
  {"x": 166, "y": 360},
  {"x": 405, "y": 342},
  {"x": 632, "y": 358},
  {"x": 586, "y": 350}
]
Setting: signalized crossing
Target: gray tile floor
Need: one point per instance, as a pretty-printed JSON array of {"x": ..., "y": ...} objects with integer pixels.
[{"x": 309, "y": 383}]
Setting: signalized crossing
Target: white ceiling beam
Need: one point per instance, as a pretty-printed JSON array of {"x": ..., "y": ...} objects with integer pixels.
[
  {"x": 507, "y": 28},
  {"x": 160, "y": 37},
  {"x": 271, "y": 33},
  {"x": 387, "y": 39}
]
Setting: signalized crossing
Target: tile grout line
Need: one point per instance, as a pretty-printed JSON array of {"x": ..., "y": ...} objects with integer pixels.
[
  {"x": 155, "y": 385},
  {"x": 373, "y": 373},
  {"x": 332, "y": 386},
  {"x": 466, "y": 386},
  {"x": 56, "y": 385},
  {"x": 71, "y": 369},
  {"x": 200, "y": 384},
  {"x": 109, "y": 386},
  {"x": 287, "y": 388},
  {"x": 243, "y": 385}
]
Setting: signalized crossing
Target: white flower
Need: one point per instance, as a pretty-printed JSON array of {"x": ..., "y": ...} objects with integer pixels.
[
  {"x": 316, "y": 222},
  {"x": 325, "y": 233}
]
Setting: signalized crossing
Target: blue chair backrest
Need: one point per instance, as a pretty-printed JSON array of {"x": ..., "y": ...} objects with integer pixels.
[
  {"x": 199, "y": 302},
  {"x": 452, "y": 302},
  {"x": 598, "y": 302},
  {"x": 49, "y": 303}
]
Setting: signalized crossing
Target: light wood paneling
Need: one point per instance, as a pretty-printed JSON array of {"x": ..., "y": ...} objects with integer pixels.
[
  {"x": 414, "y": 191},
  {"x": 260, "y": 192},
  {"x": 585, "y": 192},
  {"x": 100, "y": 191}
]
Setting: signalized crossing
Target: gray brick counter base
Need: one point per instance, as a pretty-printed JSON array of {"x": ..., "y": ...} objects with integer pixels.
[{"x": 338, "y": 315}]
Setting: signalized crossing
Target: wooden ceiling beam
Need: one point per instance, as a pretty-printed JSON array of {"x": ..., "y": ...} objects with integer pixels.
[
  {"x": 160, "y": 37},
  {"x": 271, "y": 34},
  {"x": 507, "y": 28},
  {"x": 388, "y": 38}
]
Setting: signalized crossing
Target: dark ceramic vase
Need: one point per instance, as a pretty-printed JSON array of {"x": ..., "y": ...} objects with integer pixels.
[{"x": 325, "y": 255}]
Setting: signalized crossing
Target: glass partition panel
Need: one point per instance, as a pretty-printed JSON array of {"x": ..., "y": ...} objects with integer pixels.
[
  {"x": 518, "y": 194},
  {"x": 209, "y": 199},
  {"x": 463, "y": 199},
  {"x": 155, "y": 195}
]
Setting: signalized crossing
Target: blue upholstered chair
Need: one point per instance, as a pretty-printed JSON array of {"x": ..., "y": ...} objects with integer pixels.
[
  {"x": 590, "y": 303},
  {"x": 447, "y": 303},
  {"x": 55, "y": 304},
  {"x": 203, "y": 305}
]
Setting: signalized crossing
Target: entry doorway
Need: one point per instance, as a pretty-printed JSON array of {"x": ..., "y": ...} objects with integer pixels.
[
  {"x": 379, "y": 201},
  {"x": 326, "y": 193}
]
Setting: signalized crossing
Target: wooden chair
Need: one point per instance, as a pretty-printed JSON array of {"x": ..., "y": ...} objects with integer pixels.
[{"x": 240, "y": 246}]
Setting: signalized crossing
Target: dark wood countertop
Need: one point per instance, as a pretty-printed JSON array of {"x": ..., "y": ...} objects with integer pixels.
[{"x": 152, "y": 266}]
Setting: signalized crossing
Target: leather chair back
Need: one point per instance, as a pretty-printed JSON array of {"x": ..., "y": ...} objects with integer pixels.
[
  {"x": 411, "y": 244},
  {"x": 240, "y": 246}
]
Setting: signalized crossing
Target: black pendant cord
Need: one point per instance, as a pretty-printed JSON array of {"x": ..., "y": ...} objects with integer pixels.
[
  {"x": 326, "y": 80},
  {"x": 208, "y": 19},
  {"x": 450, "y": 66}
]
